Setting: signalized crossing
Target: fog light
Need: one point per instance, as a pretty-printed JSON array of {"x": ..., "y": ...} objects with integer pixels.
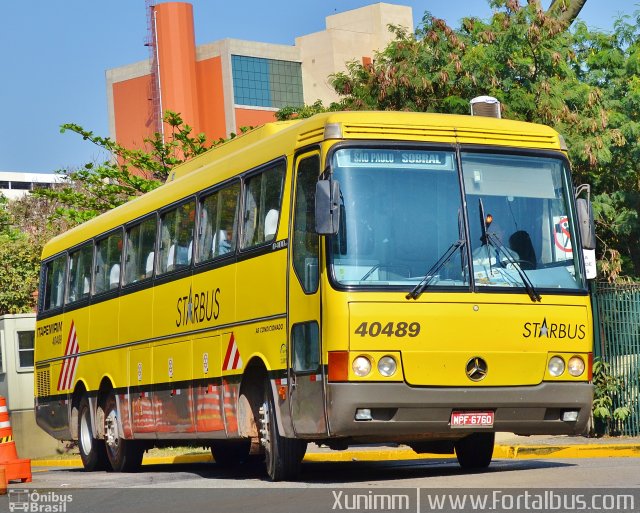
[
  {"x": 387, "y": 366},
  {"x": 570, "y": 416},
  {"x": 361, "y": 366},
  {"x": 556, "y": 366},
  {"x": 576, "y": 366},
  {"x": 363, "y": 414}
]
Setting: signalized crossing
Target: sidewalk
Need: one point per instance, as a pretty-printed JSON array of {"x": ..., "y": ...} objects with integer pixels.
[{"x": 508, "y": 446}]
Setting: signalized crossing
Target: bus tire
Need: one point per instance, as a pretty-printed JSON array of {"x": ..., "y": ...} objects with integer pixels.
[
  {"x": 228, "y": 453},
  {"x": 475, "y": 451},
  {"x": 124, "y": 455},
  {"x": 282, "y": 455},
  {"x": 92, "y": 451}
]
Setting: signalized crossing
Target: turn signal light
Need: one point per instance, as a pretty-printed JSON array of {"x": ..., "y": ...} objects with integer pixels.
[{"x": 338, "y": 366}]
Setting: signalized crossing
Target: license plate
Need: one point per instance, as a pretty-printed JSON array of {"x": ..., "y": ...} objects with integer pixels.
[{"x": 471, "y": 419}]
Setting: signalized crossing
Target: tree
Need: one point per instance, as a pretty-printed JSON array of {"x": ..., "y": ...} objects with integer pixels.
[
  {"x": 99, "y": 187},
  {"x": 20, "y": 265},
  {"x": 583, "y": 83},
  {"x": 566, "y": 10}
]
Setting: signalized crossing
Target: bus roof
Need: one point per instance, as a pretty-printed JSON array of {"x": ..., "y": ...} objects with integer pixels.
[{"x": 277, "y": 139}]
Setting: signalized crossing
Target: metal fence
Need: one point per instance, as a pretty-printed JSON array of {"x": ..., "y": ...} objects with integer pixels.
[{"x": 617, "y": 341}]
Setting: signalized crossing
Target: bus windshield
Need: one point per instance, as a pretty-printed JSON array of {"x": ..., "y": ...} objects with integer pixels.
[
  {"x": 526, "y": 208},
  {"x": 401, "y": 211}
]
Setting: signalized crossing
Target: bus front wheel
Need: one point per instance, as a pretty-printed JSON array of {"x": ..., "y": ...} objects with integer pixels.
[
  {"x": 475, "y": 451},
  {"x": 92, "y": 451},
  {"x": 124, "y": 455},
  {"x": 282, "y": 455}
]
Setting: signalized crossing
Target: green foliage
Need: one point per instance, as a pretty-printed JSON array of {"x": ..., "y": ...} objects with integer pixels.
[
  {"x": 99, "y": 187},
  {"x": 18, "y": 273},
  {"x": 607, "y": 392},
  {"x": 582, "y": 82}
]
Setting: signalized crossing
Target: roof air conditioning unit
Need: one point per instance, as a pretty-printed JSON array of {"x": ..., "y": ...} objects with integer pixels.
[{"x": 485, "y": 106}]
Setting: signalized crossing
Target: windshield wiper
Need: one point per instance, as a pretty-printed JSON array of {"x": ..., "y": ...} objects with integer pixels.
[
  {"x": 494, "y": 241},
  {"x": 431, "y": 273}
]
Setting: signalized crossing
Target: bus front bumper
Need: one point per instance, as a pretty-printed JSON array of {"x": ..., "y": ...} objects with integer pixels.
[{"x": 401, "y": 412}]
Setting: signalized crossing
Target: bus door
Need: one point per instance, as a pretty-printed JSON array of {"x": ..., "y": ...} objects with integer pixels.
[{"x": 306, "y": 379}]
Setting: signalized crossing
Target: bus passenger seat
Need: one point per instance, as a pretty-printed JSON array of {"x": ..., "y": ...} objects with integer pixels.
[
  {"x": 114, "y": 276},
  {"x": 270, "y": 223}
]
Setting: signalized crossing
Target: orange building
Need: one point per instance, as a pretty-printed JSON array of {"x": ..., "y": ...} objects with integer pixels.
[{"x": 222, "y": 86}]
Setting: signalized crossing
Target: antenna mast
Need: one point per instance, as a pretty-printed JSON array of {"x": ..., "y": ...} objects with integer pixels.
[{"x": 155, "y": 95}]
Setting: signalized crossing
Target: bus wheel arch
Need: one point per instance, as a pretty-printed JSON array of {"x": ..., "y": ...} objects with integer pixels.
[{"x": 250, "y": 397}]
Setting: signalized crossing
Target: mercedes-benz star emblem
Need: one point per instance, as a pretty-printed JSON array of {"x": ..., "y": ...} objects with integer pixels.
[{"x": 476, "y": 369}]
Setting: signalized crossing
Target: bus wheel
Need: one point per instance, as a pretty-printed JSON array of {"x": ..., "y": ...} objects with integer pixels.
[
  {"x": 228, "y": 453},
  {"x": 124, "y": 455},
  {"x": 92, "y": 451},
  {"x": 282, "y": 455},
  {"x": 475, "y": 451}
]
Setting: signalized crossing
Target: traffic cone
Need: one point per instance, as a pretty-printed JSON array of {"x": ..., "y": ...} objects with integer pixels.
[{"x": 15, "y": 469}]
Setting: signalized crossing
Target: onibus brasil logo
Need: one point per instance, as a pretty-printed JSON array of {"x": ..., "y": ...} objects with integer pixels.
[{"x": 38, "y": 502}]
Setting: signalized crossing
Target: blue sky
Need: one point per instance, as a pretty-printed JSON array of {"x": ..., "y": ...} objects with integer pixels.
[{"x": 54, "y": 55}]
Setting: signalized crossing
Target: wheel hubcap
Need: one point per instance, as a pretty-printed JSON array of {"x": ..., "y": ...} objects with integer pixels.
[
  {"x": 86, "y": 437},
  {"x": 111, "y": 430},
  {"x": 265, "y": 435}
]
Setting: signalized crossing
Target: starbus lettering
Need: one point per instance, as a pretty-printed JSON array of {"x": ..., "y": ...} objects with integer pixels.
[
  {"x": 198, "y": 307},
  {"x": 554, "y": 330}
]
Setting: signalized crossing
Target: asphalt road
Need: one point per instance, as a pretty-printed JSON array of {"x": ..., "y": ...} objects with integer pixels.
[{"x": 207, "y": 487}]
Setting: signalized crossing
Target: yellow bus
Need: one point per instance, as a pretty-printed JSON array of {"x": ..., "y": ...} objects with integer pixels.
[{"x": 354, "y": 277}]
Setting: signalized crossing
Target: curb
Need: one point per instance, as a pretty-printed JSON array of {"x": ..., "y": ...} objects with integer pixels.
[{"x": 500, "y": 452}]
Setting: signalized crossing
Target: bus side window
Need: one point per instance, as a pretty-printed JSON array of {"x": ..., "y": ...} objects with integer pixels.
[
  {"x": 218, "y": 223},
  {"x": 263, "y": 197},
  {"x": 176, "y": 240},
  {"x": 108, "y": 256},
  {"x": 54, "y": 283},
  {"x": 80, "y": 263},
  {"x": 141, "y": 239}
]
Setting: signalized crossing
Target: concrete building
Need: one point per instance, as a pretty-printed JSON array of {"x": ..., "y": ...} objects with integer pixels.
[
  {"x": 16, "y": 385},
  {"x": 14, "y": 185},
  {"x": 222, "y": 86}
]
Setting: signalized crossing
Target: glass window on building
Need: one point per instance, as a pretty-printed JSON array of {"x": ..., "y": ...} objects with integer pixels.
[
  {"x": 25, "y": 349},
  {"x": 262, "y": 82}
]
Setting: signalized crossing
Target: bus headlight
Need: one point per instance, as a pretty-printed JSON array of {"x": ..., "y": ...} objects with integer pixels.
[
  {"x": 556, "y": 366},
  {"x": 576, "y": 366},
  {"x": 387, "y": 366},
  {"x": 361, "y": 366}
]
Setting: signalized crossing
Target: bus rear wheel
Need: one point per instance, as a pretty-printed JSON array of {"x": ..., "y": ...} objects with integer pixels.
[
  {"x": 282, "y": 455},
  {"x": 475, "y": 451},
  {"x": 124, "y": 455},
  {"x": 92, "y": 451}
]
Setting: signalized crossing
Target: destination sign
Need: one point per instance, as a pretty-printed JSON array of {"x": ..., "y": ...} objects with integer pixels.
[{"x": 440, "y": 160}]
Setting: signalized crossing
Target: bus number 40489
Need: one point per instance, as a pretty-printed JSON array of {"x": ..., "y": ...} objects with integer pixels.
[{"x": 390, "y": 329}]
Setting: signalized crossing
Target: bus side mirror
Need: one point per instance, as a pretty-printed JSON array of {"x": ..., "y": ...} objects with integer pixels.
[
  {"x": 327, "y": 207},
  {"x": 587, "y": 227}
]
